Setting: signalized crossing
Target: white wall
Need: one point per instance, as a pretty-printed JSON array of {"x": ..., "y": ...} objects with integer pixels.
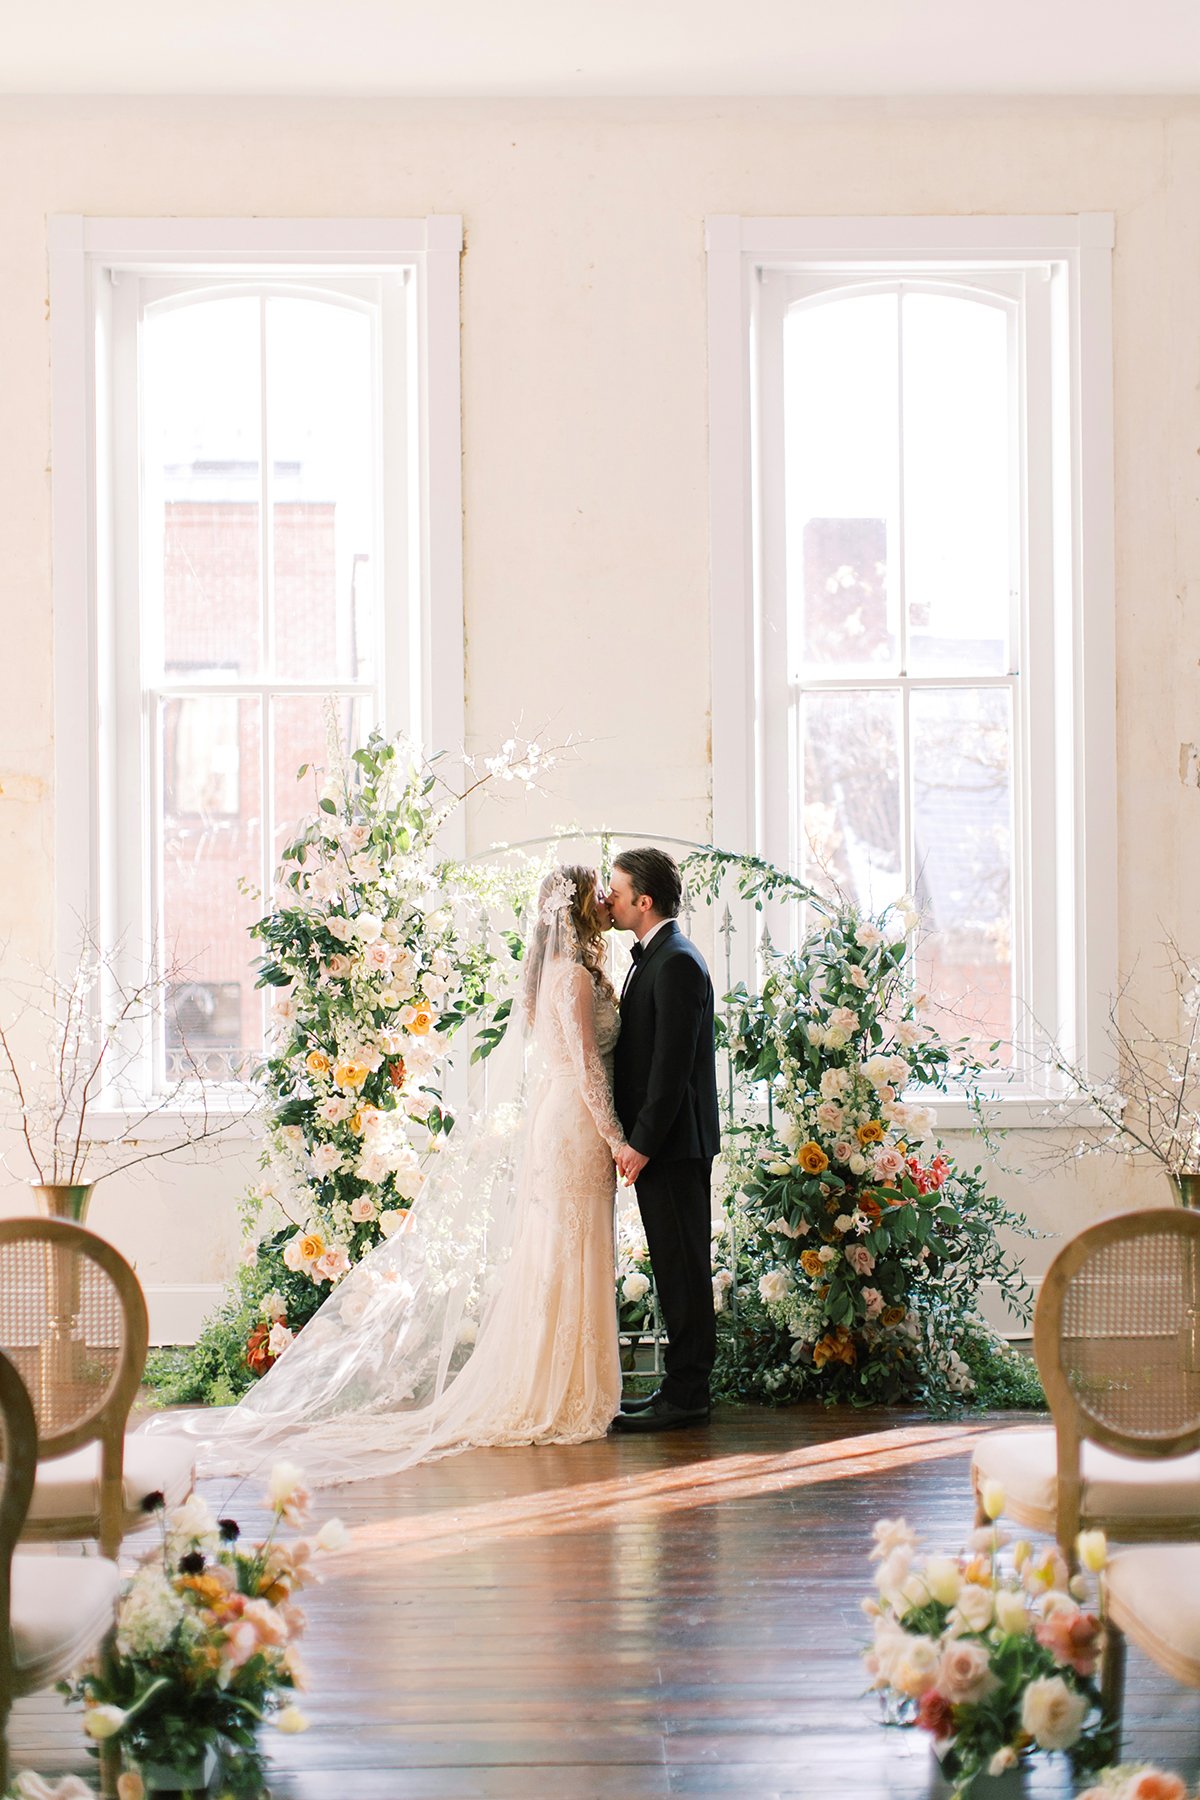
[{"x": 585, "y": 454}]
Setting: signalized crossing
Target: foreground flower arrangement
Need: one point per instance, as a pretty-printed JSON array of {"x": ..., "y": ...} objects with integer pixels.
[
  {"x": 376, "y": 951},
  {"x": 205, "y": 1643},
  {"x": 1138, "y": 1781},
  {"x": 856, "y": 1243},
  {"x": 996, "y": 1663}
]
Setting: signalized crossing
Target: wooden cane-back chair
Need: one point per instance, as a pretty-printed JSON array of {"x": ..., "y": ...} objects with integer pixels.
[
  {"x": 73, "y": 1321},
  {"x": 1117, "y": 1341},
  {"x": 53, "y": 1610}
]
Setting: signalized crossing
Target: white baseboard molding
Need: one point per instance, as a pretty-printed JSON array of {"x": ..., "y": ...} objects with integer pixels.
[{"x": 178, "y": 1310}]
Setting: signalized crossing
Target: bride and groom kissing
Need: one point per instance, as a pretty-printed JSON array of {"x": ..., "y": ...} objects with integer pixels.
[{"x": 490, "y": 1320}]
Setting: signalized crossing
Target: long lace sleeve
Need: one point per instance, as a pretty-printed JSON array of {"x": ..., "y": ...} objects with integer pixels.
[{"x": 576, "y": 1010}]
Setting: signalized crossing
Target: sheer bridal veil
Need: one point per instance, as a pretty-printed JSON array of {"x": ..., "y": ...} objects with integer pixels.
[{"x": 374, "y": 1382}]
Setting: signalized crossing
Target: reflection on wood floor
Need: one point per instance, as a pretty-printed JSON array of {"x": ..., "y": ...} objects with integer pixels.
[{"x": 649, "y": 1616}]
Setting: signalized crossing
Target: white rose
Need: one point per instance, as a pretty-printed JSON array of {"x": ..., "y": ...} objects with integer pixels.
[
  {"x": 844, "y": 1018},
  {"x": 365, "y": 867},
  {"x": 790, "y": 1133},
  {"x": 1053, "y": 1713},
  {"x": 909, "y": 1034},
  {"x": 774, "y": 1286},
  {"x": 274, "y": 1306},
  {"x": 635, "y": 1286},
  {"x": 975, "y": 1606},
  {"x": 391, "y": 1220},
  {"x": 326, "y": 1159},
  {"x": 279, "y": 1338},
  {"x": 194, "y": 1518},
  {"x": 834, "y": 1083},
  {"x": 367, "y": 927},
  {"x": 718, "y": 1294},
  {"x": 915, "y": 1667},
  {"x": 783, "y": 1229},
  {"x": 285, "y": 1488},
  {"x": 868, "y": 936},
  {"x": 354, "y": 837},
  {"x": 857, "y": 1164},
  {"x": 101, "y": 1722},
  {"x": 835, "y": 1037},
  {"x": 1012, "y": 1614},
  {"x": 341, "y": 929}
]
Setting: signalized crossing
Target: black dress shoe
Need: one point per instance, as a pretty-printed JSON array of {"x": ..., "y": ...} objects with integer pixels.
[
  {"x": 662, "y": 1415},
  {"x": 639, "y": 1405}
]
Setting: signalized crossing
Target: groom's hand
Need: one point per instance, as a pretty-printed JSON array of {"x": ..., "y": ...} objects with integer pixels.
[{"x": 631, "y": 1162}]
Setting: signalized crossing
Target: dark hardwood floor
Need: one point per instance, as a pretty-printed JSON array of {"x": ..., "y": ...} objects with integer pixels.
[{"x": 642, "y": 1617}]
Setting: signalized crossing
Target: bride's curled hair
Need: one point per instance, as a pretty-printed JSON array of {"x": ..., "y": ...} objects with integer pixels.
[{"x": 575, "y": 929}]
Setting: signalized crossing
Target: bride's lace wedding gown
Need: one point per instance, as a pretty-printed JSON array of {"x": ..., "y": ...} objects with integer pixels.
[
  {"x": 546, "y": 1368},
  {"x": 377, "y": 1380}
]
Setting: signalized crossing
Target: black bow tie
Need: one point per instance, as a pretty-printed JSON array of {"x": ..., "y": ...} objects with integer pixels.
[{"x": 637, "y": 952}]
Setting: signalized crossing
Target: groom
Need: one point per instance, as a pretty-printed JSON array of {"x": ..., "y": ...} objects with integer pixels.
[{"x": 665, "y": 1089}]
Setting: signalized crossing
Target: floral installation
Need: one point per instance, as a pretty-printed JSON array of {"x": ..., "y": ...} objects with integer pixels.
[
  {"x": 855, "y": 1243},
  {"x": 376, "y": 950},
  {"x": 205, "y": 1642},
  {"x": 28, "y": 1785},
  {"x": 996, "y": 1660},
  {"x": 1138, "y": 1781}
]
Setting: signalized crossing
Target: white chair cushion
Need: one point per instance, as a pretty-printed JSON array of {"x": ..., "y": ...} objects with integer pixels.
[
  {"x": 68, "y": 1488},
  {"x": 1154, "y": 1591},
  {"x": 61, "y": 1608},
  {"x": 1024, "y": 1460}
]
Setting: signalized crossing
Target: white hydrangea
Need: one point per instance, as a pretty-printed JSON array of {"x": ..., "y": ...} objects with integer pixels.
[{"x": 149, "y": 1614}]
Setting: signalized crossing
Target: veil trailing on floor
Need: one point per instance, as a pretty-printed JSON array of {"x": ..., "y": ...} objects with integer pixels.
[{"x": 392, "y": 1369}]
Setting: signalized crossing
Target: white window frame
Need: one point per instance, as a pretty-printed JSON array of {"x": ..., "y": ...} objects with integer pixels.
[
  {"x": 1067, "y": 819},
  {"x": 421, "y": 677}
]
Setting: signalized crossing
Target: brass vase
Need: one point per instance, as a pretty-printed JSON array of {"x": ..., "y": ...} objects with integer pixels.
[
  {"x": 1187, "y": 1188},
  {"x": 64, "y": 1200}
]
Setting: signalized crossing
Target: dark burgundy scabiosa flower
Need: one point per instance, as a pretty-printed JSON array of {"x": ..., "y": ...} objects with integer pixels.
[
  {"x": 230, "y": 1530},
  {"x": 192, "y": 1563},
  {"x": 153, "y": 1502}
]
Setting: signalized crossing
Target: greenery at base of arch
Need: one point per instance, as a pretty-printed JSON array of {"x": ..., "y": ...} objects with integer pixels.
[{"x": 854, "y": 1244}]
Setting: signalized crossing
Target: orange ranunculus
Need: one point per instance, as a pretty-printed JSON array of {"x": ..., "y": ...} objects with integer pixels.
[
  {"x": 312, "y": 1247},
  {"x": 349, "y": 1073},
  {"x": 258, "y": 1357},
  {"x": 811, "y": 1263},
  {"x": 812, "y": 1158},
  {"x": 207, "y": 1587},
  {"x": 871, "y": 1132},
  {"x": 317, "y": 1063},
  {"x": 870, "y": 1208},
  {"x": 892, "y": 1315}
]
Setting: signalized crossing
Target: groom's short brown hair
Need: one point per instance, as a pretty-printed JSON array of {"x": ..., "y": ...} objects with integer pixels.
[{"x": 653, "y": 872}]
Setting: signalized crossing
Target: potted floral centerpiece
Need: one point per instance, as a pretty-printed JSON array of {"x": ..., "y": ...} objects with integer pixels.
[
  {"x": 205, "y": 1644},
  {"x": 996, "y": 1660}
]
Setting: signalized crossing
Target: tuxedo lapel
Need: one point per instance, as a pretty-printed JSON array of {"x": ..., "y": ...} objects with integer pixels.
[{"x": 662, "y": 936}]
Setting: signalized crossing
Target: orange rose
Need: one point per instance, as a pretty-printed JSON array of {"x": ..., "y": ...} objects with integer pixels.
[
  {"x": 871, "y": 1132},
  {"x": 870, "y": 1208},
  {"x": 811, "y": 1263},
  {"x": 418, "y": 1018},
  {"x": 317, "y": 1063},
  {"x": 892, "y": 1315},
  {"x": 207, "y": 1586},
  {"x": 312, "y": 1247},
  {"x": 812, "y": 1158},
  {"x": 836, "y": 1346},
  {"x": 350, "y": 1073}
]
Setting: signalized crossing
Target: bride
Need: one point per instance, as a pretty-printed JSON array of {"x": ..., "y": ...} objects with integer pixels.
[{"x": 490, "y": 1319}]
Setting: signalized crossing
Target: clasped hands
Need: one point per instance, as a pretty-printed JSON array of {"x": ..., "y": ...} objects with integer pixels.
[{"x": 630, "y": 1163}]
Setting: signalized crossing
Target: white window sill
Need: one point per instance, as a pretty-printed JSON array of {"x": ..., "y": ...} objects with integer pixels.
[{"x": 233, "y": 1121}]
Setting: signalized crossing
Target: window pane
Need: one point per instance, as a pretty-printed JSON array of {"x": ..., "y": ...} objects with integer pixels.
[
  {"x": 210, "y": 837},
  {"x": 841, "y": 438},
  {"x": 201, "y": 429},
  {"x": 963, "y": 841},
  {"x": 320, "y": 429},
  {"x": 851, "y": 820},
  {"x": 958, "y": 511},
  {"x": 300, "y": 724}
]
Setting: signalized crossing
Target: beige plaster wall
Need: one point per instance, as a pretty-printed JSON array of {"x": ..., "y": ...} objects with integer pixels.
[{"x": 585, "y": 454}]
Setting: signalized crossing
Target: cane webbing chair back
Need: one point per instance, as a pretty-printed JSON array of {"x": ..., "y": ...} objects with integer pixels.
[
  {"x": 18, "y": 1466},
  {"x": 73, "y": 1322},
  {"x": 1117, "y": 1341}
]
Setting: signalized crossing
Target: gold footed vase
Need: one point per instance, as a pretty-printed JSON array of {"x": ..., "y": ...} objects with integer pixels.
[
  {"x": 64, "y": 1200},
  {"x": 1187, "y": 1188}
]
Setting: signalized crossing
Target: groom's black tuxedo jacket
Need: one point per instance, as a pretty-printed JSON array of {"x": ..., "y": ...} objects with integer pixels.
[{"x": 665, "y": 1072}]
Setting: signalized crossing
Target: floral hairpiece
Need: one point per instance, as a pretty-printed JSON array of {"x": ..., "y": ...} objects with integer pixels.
[{"x": 559, "y": 895}]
